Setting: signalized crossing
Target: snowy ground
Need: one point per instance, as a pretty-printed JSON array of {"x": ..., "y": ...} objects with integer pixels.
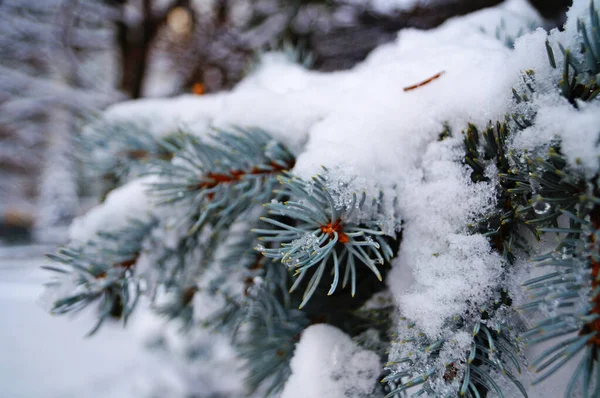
[{"x": 46, "y": 356}]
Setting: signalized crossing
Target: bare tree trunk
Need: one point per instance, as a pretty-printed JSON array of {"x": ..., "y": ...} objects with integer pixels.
[
  {"x": 58, "y": 200},
  {"x": 135, "y": 43}
]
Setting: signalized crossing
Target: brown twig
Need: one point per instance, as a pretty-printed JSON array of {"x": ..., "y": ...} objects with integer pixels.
[
  {"x": 424, "y": 82},
  {"x": 338, "y": 227},
  {"x": 214, "y": 179}
]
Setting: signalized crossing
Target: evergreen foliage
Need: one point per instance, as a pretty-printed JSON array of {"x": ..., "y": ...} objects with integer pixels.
[
  {"x": 102, "y": 271},
  {"x": 325, "y": 233},
  {"x": 547, "y": 189},
  {"x": 557, "y": 195},
  {"x": 221, "y": 181},
  {"x": 581, "y": 66},
  {"x": 502, "y": 34},
  {"x": 493, "y": 349},
  {"x": 567, "y": 293},
  {"x": 535, "y": 192},
  {"x": 279, "y": 251},
  {"x": 117, "y": 152},
  {"x": 273, "y": 326},
  {"x": 501, "y": 227}
]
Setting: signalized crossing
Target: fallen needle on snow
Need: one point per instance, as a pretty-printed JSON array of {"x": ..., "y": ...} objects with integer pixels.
[{"x": 424, "y": 82}]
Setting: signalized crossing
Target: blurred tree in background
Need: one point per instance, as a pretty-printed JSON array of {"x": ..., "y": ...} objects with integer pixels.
[{"x": 53, "y": 71}]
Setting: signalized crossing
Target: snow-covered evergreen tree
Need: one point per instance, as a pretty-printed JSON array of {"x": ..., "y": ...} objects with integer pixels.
[{"x": 365, "y": 233}]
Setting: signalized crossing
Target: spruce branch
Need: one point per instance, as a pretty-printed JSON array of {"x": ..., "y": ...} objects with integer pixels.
[
  {"x": 101, "y": 270},
  {"x": 581, "y": 66},
  {"x": 221, "y": 179},
  {"x": 492, "y": 349},
  {"x": 438, "y": 374},
  {"x": 503, "y": 225},
  {"x": 538, "y": 189},
  {"x": 269, "y": 345},
  {"x": 525, "y": 109},
  {"x": 531, "y": 189},
  {"x": 317, "y": 234},
  {"x": 264, "y": 325},
  {"x": 547, "y": 184},
  {"x": 191, "y": 265},
  {"x": 568, "y": 296},
  {"x": 117, "y": 151},
  {"x": 180, "y": 305}
]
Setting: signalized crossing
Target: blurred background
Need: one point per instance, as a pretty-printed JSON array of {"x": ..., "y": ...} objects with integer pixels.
[{"x": 63, "y": 61}]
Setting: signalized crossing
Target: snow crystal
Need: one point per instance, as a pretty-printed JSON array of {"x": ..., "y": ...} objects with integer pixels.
[
  {"x": 341, "y": 182},
  {"x": 577, "y": 129},
  {"x": 327, "y": 363},
  {"x": 308, "y": 241}
]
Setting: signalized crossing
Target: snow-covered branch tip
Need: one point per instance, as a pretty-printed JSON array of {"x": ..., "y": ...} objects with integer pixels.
[
  {"x": 581, "y": 66},
  {"x": 311, "y": 231},
  {"x": 438, "y": 369},
  {"x": 101, "y": 270},
  {"x": 503, "y": 225}
]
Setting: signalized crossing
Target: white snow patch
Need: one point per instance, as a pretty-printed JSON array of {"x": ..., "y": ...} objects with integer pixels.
[
  {"x": 578, "y": 129},
  {"x": 449, "y": 266},
  {"x": 327, "y": 363},
  {"x": 461, "y": 277}
]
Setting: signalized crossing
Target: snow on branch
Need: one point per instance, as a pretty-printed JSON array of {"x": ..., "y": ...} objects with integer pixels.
[{"x": 447, "y": 192}]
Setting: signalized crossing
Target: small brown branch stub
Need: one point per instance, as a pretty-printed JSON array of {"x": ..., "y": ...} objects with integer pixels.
[
  {"x": 337, "y": 227},
  {"x": 125, "y": 265},
  {"x": 214, "y": 179},
  {"x": 424, "y": 82}
]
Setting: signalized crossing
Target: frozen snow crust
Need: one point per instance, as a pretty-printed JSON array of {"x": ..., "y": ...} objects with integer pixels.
[{"x": 362, "y": 123}]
